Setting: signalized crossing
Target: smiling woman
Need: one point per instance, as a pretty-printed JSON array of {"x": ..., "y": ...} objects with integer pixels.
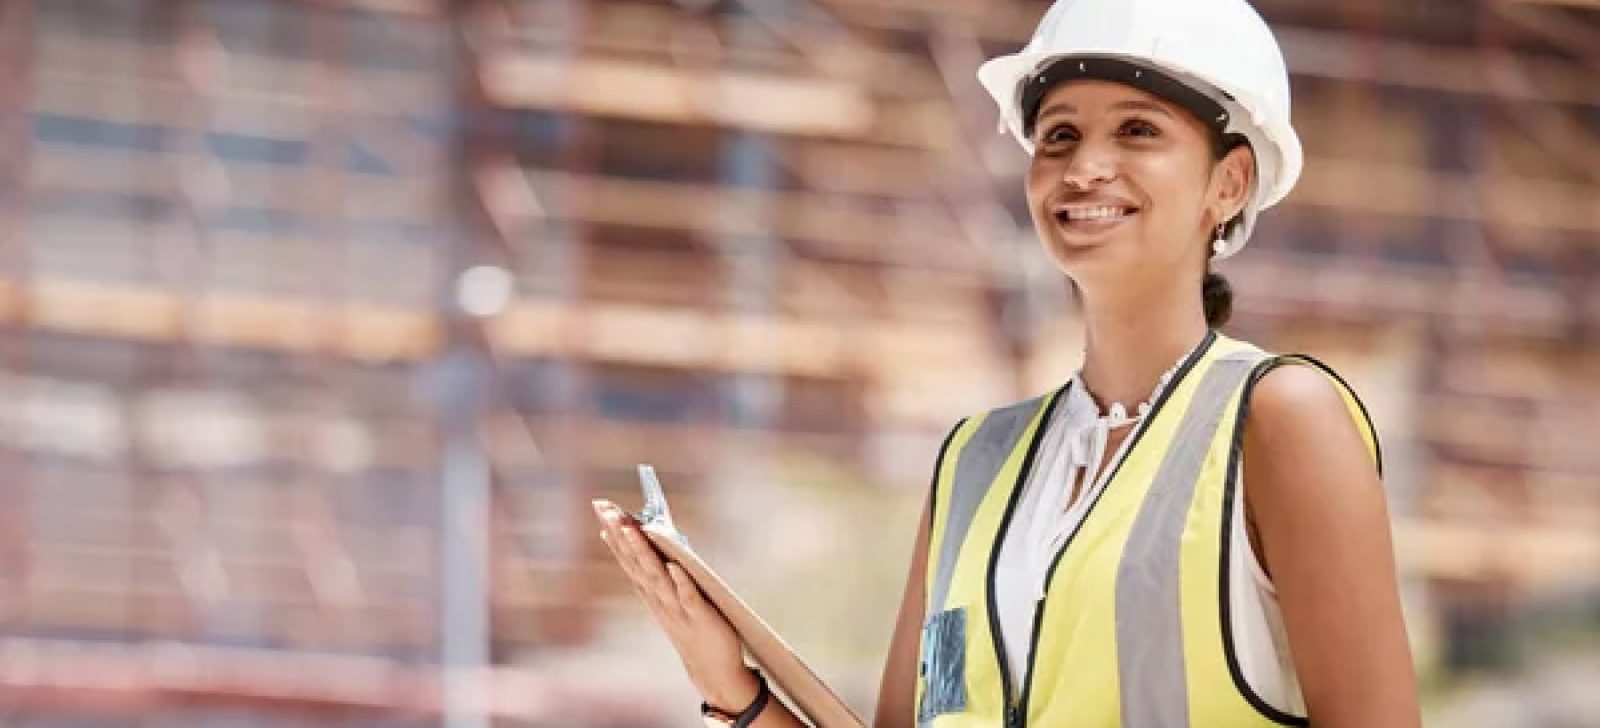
[
  {"x": 1169, "y": 158},
  {"x": 1092, "y": 556},
  {"x": 1122, "y": 570}
]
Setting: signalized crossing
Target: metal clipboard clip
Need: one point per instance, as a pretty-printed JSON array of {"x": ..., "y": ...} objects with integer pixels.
[{"x": 655, "y": 510}]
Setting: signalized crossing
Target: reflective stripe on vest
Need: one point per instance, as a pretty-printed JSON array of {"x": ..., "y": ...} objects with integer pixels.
[{"x": 1133, "y": 630}]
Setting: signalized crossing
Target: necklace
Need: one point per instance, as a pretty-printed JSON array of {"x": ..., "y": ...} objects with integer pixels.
[
  {"x": 1082, "y": 448},
  {"x": 1116, "y": 415}
]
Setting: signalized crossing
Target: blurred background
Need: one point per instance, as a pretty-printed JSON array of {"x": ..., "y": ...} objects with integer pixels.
[{"x": 321, "y": 323}]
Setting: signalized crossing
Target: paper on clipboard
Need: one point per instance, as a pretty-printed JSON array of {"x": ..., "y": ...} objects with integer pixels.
[{"x": 784, "y": 669}]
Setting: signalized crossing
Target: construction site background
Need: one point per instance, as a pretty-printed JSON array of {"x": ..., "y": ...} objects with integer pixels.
[{"x": 322, "y": 322}]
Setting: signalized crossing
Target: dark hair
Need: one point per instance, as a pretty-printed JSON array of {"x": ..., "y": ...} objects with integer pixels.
[
  {"x": 1218, "y": 296},
  {"x": 1215, "y": 291}
]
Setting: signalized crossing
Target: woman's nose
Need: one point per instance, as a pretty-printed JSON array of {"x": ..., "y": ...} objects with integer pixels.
[
  {"x": 1091, "y": 164},
  {"x": 1086, "y": 171}
]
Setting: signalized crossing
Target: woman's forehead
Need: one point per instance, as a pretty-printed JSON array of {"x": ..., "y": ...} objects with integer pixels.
[{"x": 1087, "y": 95}]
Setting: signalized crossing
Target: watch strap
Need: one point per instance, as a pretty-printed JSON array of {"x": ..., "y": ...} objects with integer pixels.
[{"x": 745, "y": 717}]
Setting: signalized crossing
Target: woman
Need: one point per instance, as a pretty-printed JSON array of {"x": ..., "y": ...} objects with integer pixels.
[{"x": 1078, "y": 565}]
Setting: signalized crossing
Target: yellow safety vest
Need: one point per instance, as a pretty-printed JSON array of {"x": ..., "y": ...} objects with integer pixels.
[{"x": 1133, "y": 629}]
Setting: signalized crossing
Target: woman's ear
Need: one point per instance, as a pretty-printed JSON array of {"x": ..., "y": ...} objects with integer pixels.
[{"x": 1233, "y": 175}]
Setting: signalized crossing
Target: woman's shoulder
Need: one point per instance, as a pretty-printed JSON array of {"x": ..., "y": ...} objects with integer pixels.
[
  {"x": 1296, "y": 394},
  {"x": 1295, "y": 388},
  {"x": 1299, "y": 415},
  {"x": 1299, "y": 403}
]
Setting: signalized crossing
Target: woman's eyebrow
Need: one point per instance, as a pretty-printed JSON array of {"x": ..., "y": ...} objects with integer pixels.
[
  {"x": 1056, "y": 108},
  {"x": 1138, "y": 104},
  {"x": 1141, "y": 104}
]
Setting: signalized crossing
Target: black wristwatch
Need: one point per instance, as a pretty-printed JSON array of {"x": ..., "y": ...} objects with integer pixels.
[{"x": 718, "y": 718}]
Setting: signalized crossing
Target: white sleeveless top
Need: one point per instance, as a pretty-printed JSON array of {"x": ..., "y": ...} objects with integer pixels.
[{"x": 1073, "y": 446}]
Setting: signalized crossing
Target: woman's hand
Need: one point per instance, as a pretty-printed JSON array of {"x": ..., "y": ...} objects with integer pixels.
[{"x": 706, "y": 643}]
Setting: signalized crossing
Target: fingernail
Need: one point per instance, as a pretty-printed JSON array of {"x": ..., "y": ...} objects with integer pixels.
[{"x": 603, "y": 536}]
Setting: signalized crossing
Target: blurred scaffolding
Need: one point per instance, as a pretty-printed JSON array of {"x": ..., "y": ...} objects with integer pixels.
[{"x": 280, "y": 438}]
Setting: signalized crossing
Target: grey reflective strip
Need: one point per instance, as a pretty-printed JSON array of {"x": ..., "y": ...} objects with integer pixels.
[
  {"x": 1150, "y": 665},
  {"x": 976, "y": 467}
]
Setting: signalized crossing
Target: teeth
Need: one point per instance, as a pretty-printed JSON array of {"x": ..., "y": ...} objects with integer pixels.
[{"x": 1093, "y": 213}]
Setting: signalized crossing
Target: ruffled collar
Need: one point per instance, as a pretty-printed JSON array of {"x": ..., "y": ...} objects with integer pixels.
[{"x": 1087, "y": 430}]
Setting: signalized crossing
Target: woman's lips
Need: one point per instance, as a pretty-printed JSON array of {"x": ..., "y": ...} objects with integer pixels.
[{"x": 1094, "y": 224}]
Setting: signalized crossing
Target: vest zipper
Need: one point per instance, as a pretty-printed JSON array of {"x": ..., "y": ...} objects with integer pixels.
[{"x": 1017, "y": 711}]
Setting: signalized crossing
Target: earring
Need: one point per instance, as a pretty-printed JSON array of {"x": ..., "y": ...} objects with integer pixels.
[{"x": 1220, "y": 243}]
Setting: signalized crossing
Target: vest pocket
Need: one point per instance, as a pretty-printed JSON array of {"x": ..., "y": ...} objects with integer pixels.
[{"x": 944, "y": 664}]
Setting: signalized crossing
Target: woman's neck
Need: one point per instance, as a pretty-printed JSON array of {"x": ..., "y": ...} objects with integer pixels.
[{"x": 1131, "y": 340}]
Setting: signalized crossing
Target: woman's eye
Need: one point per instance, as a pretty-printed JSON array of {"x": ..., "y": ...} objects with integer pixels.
[
  {"x": 1141, "y": 128},
  {"x": 1056, "y": 134}
]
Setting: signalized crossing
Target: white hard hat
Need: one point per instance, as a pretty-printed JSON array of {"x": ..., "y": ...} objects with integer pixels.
[{"x": 1221, "y": 49}]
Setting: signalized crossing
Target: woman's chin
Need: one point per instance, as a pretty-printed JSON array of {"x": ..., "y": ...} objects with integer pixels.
[
  {"x": 1072, "y": 252},
  {"x": 1080, "y": 260}
]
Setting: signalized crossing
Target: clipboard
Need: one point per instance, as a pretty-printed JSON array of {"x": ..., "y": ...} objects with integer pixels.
[{"x": 783, "y": 668}]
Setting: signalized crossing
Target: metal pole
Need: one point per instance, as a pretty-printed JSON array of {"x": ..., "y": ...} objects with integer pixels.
[
  {"x": 463, "y": 542},
  {"x": 462, "y": 381}
]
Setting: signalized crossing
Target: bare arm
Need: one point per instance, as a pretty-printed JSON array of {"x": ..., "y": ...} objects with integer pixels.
[
  {"x": 1324, "y": 530},
  {"x": 898, "y": 687}
]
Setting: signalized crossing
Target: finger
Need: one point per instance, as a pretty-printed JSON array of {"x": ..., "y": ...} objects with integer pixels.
[
  {"x": 635, "y": 554},
  {"x": 622, "y": 562},
  {"x": 619, "y": 544},
  {"x": 619, "y": 551},
  {"x": 610, "y": 517},
  {"x": 601, "y": 508},
  {"x": 612, "y": 520},
  {"x": 689, "y": 595},
  {"x": 638, "y": 558},
  {"x": 613, "y": 542},
  {"x": 645, "y": 559},
  {"x": 648, "y": 595},
  {"x": 605, "y": 538},
  {"x": 648, "y": 564}
]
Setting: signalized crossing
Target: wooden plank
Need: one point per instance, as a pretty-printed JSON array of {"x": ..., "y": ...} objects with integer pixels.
[
  {"x": 368, "y": 332},
  {"x": 834, "y": 227},
  {"x": 636, "y": 90},
  {"x": 126, "y": 680},
  {"x": 1556, "y": 3},
  {"x": 1284, "y": 284},
  {"x": 1539, "y": 558}
]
